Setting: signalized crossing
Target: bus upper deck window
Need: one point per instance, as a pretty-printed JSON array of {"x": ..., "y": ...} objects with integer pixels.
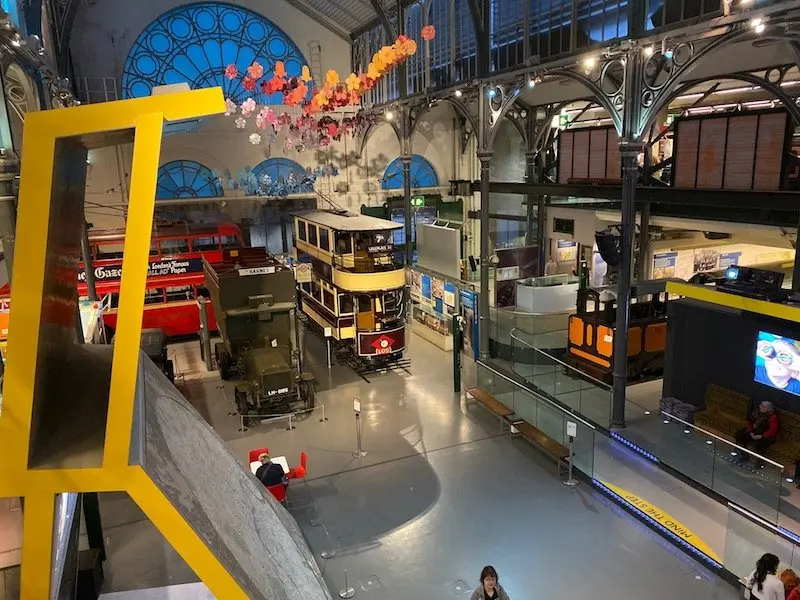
[
  {"x": 178, "y": 246},
  {"x": 155, "y": 296},
  {"x": 230, "y": 241},
  {"x": 301, "y": 230},
  {"x": 205, "y": 244},
  {"x": 180, "y": 293},
  {"x": 312, "y": 234},
  {"x": 344, "y": 243},
  {"x": 153, "y": 248}
]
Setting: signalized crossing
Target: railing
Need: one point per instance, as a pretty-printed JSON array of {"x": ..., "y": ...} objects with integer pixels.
[
  {"x": 550, "y": 329},
  {"x": 551, "y": 376},
  {"x": 371, "y": 264},
  {"x": 542, "y": 413},
  {"x": 551, "y": 280}
]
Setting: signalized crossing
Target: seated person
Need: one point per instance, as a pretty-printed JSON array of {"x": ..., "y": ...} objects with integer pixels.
[
  {"x": 761, "y": 430},
  {"x": 270, "y": 473}
]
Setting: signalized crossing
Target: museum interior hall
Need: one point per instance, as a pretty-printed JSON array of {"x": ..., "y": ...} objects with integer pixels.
[{"x": 389, "y": 299}]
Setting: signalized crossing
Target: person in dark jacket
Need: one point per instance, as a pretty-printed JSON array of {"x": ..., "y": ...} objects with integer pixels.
[
  {"x": 490, "y": 588},
  {"x": 761, "y": 430},
  {"x": 270, "y": 473}
]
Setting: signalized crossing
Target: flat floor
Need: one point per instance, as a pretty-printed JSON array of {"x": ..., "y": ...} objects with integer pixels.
[{"x": 441, "y": 493}]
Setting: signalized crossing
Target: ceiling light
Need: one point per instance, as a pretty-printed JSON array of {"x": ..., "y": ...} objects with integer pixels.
[
  {"x": 668, "y": 54},
  {"x": 531, "y": 82},
  {"x": 389, "y": 115},
  {"x": 589, "y": 63},
  {"x": 458, "y": 93},
  {"x": 648, "y": 52},
  {"x": 491, "y": 93},
  {"x": 755, "y": 22},
  {"x": 760, "y": 28}
]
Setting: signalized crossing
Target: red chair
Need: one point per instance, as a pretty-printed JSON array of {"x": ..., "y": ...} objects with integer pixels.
[
  {"x": 300, "y": 471},
  {"x": 278, "y": 491},
  {"x": 254, "y": 454}
]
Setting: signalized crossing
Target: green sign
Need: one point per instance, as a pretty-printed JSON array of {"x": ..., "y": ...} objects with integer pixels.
[
  {"x": 418, "y": 201},
  {"x": 563, "y": 121}
]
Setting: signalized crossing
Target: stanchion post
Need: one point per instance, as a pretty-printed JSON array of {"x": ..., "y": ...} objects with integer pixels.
[
  {"x": 347, "y": 591},
  {"x": 324, "y": 418},
  {"x": 359, "y": 453},
  {"x": 290, "y": 427},
  {"x": 242, "y": 428},
  {"x": 572, "y": 431}
]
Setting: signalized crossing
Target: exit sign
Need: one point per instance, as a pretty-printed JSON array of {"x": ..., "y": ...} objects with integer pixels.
[{"x": 418, "y": 201}]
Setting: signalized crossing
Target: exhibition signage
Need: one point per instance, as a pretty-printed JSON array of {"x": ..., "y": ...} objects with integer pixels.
[
  {"x": 729, "y": 259},
  {"x": 154, "y": 269}
]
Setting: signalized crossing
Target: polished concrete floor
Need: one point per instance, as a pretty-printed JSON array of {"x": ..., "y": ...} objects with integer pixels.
[{"x": 441, "y": 492}]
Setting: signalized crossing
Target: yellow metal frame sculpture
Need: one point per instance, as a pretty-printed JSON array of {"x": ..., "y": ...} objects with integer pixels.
[{"x": 39, "y": 487}]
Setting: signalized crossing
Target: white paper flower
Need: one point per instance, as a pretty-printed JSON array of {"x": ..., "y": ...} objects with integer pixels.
[
  {"x": 255, "y": 139},
  {"x": 248, "y": 107},
  {"x": 240, "y": 123},
  {"x": 230, "y": 107}
]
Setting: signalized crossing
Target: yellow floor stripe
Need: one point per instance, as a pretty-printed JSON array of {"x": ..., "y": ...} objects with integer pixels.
[{"x": 664, "y": 519}]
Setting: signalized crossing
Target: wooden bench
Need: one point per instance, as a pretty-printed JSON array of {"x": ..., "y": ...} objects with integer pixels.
[
  {"x": 496, "y": 407},
  {"x": 542, "y": 441}
]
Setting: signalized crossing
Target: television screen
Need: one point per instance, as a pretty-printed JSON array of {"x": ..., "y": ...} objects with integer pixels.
[{"x": 778, "y": 362}]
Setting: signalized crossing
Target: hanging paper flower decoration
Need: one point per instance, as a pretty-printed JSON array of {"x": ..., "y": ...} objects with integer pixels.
[
  {"x": 280, "y": 69},
  {"x": 256, "y": 71},
  {"x": 231, "y": 72},
  {"x": 255, "y": 139},
  {"x": 247, "y": 181},
  {"x": 248, "y": 107},
  {"x": 353, "y": 83},
  {"x": 305, "y": 74},
  {"x": 249, "y": 83},
  {"x": 230, "y": 107},
  {"x": 240, "y": 122},
  {"x": 428, "y": 33}
]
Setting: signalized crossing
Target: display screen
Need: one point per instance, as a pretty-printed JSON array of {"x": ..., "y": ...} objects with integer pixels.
[{"x": 778, "y": 362}]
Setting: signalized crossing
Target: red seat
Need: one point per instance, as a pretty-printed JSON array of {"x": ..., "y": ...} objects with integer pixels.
[
  {"x": 304, "y": 461},
  {"x": 278, "y": 491},
  {"x": 300, "y": 471},
  {"x": 254, "y": 454}
]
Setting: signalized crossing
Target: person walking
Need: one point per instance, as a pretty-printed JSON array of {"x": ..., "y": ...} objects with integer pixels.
[
  {"x": 490, "y": 588},
  {"x": 763, "y": 584}
]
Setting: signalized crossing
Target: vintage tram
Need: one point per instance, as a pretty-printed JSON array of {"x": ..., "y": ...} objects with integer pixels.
[{"x": 354, "y": 290}]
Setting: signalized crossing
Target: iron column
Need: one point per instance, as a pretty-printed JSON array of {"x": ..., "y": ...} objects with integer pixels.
[
  {"x": 643, "y": 261},
  {"x": 8, "y": 210},
  {"x": 630, "y": 171},
  {"x": 485, "y": 158},
  {"x": 88, "y": 268},
  {"x": 530, "y": 177},
  {"x": 406, "y": 160}
]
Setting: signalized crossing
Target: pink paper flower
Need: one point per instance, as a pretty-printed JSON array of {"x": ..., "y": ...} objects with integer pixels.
[
  {"x": 231, "y": 71},
  {"x": 230, "y": 107},
  {"x": 240, "y": 123},
  {"x": 256, "y": 71}
]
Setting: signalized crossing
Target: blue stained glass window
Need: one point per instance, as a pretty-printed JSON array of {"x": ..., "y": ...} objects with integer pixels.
[
  {"x": 279, "y": 170},
  {"x": 194, "y": 43},
  {"x": 186, "y": 179},
  {"x": 423, "y": 174}
]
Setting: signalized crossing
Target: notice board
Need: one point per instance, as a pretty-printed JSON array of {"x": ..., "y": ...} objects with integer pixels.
[
  {"x": 591, "y": 153},
  {"x": 733, "y": 152}
]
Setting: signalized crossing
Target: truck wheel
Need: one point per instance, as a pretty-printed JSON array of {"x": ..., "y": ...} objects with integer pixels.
[
  {"x": 225, "y": 366},
  {"x": 307, "y": 394}
]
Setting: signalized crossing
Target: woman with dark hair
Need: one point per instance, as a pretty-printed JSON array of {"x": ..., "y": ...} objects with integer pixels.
[
  {"x": 762, "y": 583},
  {"x": 490, "y": 588}
]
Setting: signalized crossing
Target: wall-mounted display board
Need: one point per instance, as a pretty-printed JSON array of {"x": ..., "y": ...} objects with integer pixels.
[
  {"x": 734, "y": 152},
  {"x": 591, "y": 154}
]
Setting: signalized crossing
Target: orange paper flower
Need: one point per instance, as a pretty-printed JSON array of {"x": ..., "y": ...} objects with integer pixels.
[
  {"x": 353, "y": 83},
  {"x": 428, "y": 33},
  {"x": 280, "y": 69},
  {"x": 306, "y": 74}
]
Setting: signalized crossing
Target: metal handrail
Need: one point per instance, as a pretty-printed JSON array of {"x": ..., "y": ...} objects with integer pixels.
[
  {"x": 532, "y": 314},
  {"x": 721, "y": 439},
  {"x": 563, "y": 364},
  {"x": 538, "y": 396}
]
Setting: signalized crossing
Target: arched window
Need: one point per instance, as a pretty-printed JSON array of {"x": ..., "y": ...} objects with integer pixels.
[
  {"x": 186, "y": 179},
  {"x": 194, "y": 43},
  {"x": 423, "y": 175},
  {"x": 280, "y": 169}
]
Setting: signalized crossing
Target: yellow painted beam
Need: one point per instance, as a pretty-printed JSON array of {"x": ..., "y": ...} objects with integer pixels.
[
  {"x": 183, "y": 538},
  {"x": 144, "y": 176},
  {"x": 714, "y": 296},
  {"x": 37, "y": 545}
]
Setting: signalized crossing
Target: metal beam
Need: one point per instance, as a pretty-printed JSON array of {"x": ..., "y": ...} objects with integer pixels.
[
  {"x": 322, "y": 19},
  {"x": 384, "y": 19}
]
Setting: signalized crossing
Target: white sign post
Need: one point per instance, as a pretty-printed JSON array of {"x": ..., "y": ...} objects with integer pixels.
[
  {"x": 328, "y": 336},
  {"x": 359, "y": 453},
  {"x": 572, "y": 433}
]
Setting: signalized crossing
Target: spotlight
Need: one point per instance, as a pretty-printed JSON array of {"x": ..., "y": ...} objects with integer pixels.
[
  {"x": 458, "y": 93},
  {"x": 492, "y": 93},
  {"x": 668, "y": 54},
  {"x": 648, "y": 52},
  {"x": 389, "y": 115},
  {"x": 531, "y": 83},
  {"x": 589, "y": 63},
  {"x": 759, "y": 28}
]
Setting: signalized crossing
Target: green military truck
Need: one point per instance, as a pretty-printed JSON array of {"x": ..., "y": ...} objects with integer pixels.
[{"x": 254, "y": 303}]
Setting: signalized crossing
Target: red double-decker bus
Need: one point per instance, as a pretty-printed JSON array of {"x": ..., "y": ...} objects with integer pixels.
[{"x": 174, "y": 279}]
